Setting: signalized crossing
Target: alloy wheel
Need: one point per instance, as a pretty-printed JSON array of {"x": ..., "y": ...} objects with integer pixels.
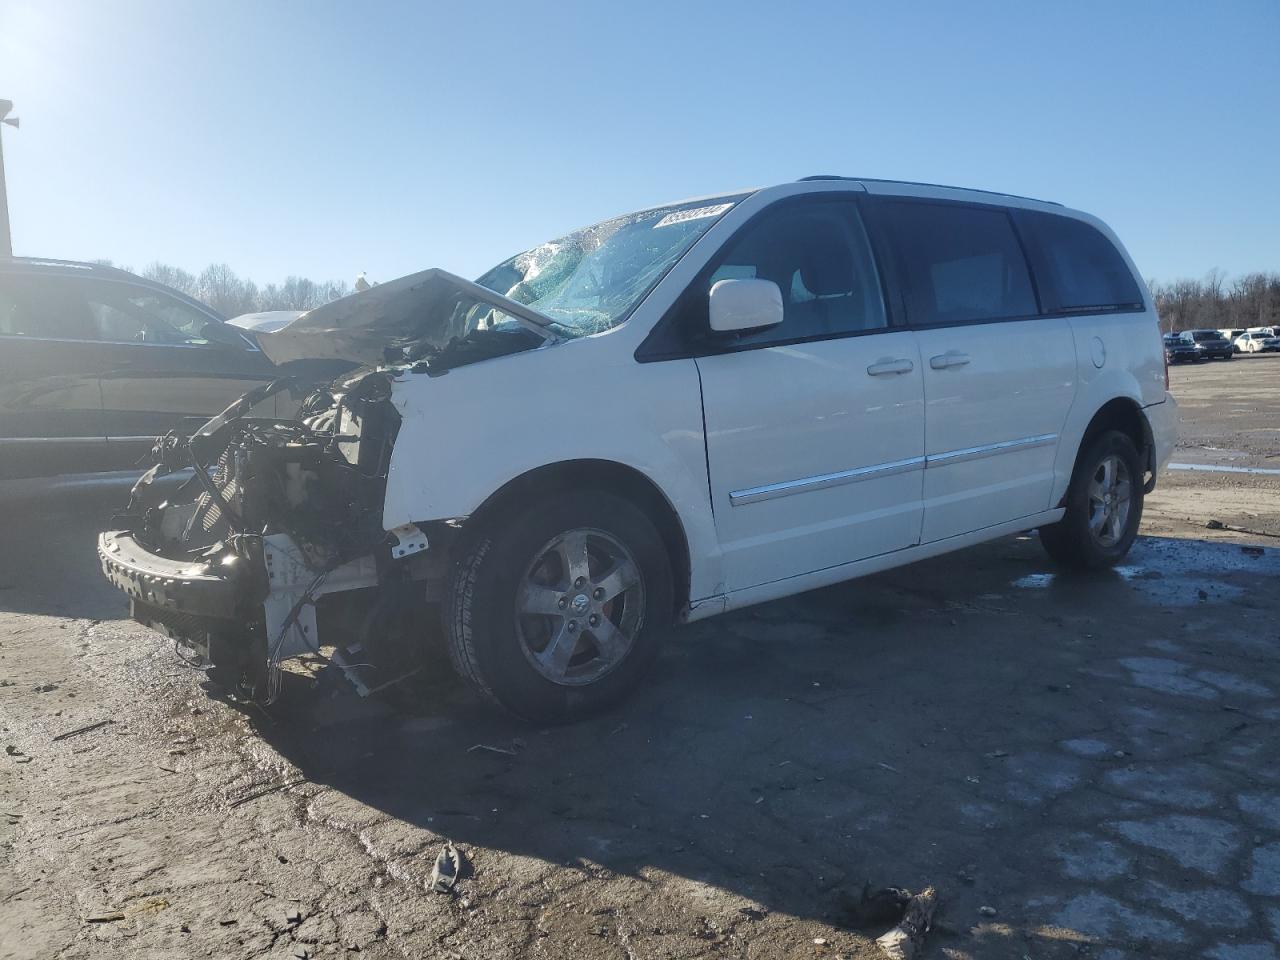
[
  {"x": 1110, "y": 490},
  {"x": 579, "y": 607}
]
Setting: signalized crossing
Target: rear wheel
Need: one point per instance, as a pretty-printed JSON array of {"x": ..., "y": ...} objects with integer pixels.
[
  {"x": 1104, "y": 506},
  {"x": 558, "y": 611}
]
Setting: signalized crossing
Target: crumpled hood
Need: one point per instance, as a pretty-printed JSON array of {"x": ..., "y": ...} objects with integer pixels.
[{"x": 368, "y": 328}]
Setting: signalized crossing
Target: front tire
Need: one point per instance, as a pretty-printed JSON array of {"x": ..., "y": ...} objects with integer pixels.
[
  {"x": 557, "y": 612},
  {"x": 1104, "y": 506}
]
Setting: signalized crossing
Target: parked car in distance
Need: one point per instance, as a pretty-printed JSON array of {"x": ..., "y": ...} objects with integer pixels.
[
  {"x": 1251, "y": 342},
  {"x": 96, "y": 362},
  {"x": 1212, "y": 344},
  {"x": 1180, "y": 349},
  {"x": 662, "y": 417},
  {"x": 1230, "y": 334},
  {"x": 268, "y": 321}
]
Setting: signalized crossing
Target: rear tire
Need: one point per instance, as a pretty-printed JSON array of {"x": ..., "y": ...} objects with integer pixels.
[
  {"x": 558, "y": 611},
  {"x": 1104, "y": 506}
]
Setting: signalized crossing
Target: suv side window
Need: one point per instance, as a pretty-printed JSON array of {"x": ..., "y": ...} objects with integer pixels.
[
  {"x": 44, "y": 307},
  {"x": 958, "y": 263},
  {"x": 818, "y": 255},
  {"x": 1079, "y": 269},
  {"x": 124, "y": 313}
]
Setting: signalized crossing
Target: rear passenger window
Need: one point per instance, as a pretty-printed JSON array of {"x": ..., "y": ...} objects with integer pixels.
[
  {"x": 1079, "y": 269},
  {"x": 959, "y": 263},
  {"x": 47, "y": 307}
]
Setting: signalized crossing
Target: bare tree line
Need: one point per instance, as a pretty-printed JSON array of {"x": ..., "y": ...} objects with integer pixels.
[
  {"x": 1250, "y": 300},
  {"x": 218, "y": 286}
]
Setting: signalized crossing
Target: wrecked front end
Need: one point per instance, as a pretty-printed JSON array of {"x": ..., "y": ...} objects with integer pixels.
[{"x": 277, "y": 527}]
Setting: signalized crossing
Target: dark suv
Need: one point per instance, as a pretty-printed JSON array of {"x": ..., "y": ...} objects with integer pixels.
[
  {"x": 96, "y": 362},
  {"x": 1213, "y": 345},
  {"x": 1180, "y": 348}
]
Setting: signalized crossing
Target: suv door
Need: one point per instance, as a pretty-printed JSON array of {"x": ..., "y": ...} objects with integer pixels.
[
  {"x": 814, "y": 428},
  {"x": 999, "y": 377},
  {"x": 169, "y": 362},
  {"x": 50, "y": 362}
]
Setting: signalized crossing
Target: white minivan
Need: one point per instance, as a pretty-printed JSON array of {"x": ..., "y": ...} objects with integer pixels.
[{"x": 659, "y": 418}]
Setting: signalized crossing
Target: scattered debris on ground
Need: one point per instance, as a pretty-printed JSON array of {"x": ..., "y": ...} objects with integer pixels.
[
  {"x": 448, "y": 867},
  {"x": 79, "y": 730},
  {"x": 905, "y": 940}
]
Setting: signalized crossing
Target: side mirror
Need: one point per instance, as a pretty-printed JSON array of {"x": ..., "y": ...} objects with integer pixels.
[{"x": 744, "y": 305}]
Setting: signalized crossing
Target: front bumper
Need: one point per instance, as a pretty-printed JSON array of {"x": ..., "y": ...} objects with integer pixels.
[{"x": 174, "y": 586}]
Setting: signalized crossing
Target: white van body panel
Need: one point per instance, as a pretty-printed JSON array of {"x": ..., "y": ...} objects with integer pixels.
[
  {"x": 994, "y": 423},
  {"x": 1113, "y": 360},
  {"x": 466, "y": 434},
  {"x": 814, "y": 461}
]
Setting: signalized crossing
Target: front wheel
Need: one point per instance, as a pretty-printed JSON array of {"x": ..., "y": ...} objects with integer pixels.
[
  {"x": 1104, "y": 506},
  {"x": 558, "y": 611}
]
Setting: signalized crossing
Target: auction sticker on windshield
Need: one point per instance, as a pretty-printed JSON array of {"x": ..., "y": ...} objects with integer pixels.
[{"x": 696, "y": 213}]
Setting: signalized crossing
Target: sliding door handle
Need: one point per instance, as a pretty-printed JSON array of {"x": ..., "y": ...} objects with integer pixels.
[
  {"x": 888, "y": 368},
  {"x": 945, "y": 361}
]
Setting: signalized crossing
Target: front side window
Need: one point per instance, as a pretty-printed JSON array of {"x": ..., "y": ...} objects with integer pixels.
[
  {"x": 959, "y": 264},
  {"x": 1080, "y": 269},
  {"x": 123, "y": 313},
  {"x": 818, "y": 255}
]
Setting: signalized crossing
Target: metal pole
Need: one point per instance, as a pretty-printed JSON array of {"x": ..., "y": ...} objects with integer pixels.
[{"x": 6, "y": 241}]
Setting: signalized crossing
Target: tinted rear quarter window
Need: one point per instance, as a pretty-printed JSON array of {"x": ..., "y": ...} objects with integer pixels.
[
  {"x": 44, "y": 307},
  {"x": 1079, "y": 269},
  {"x": 958, "y": 263}
]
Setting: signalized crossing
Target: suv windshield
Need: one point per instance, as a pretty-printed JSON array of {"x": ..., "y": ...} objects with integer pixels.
[
  {"x": 1206, "y": 335},
  {"x": 593, "y": 278}
]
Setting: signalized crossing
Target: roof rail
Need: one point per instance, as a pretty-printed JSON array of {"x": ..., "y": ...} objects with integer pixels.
[{"x": 918, "y": 183}]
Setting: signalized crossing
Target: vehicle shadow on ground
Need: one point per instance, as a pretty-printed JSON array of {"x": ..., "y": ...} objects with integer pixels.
[
  {"x": 48, "y": 550},
  {"x": 902, "y": 729}
]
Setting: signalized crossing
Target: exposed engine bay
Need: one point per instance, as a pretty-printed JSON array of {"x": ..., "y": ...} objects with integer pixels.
[
  {"x": 276, "y": 516},
  {"x": 278, "y": 534}
]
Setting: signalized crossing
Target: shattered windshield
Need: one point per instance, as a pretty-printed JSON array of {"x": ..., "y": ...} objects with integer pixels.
[{"x": 590, "y": 280}]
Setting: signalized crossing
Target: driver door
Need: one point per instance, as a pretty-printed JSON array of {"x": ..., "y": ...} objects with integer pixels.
[
  {"x": 167, "y": 363},
  {"x": 815, "y": 427}
]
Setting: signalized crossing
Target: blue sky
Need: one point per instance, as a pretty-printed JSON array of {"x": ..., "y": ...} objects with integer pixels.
[{"x": 323, "y": 139}]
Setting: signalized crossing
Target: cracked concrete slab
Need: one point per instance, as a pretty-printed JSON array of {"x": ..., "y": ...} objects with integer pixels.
[
  {"x": 1263, "y": 876},
  {"x": 1085, "y": 856},
  {"x": 1182, "y": 785},
  {"x": 1261, "y": 809},
  {"x": 1205, "y": 906},
  {"x": 1199, "y": 843},
  {"x": 1243, "y": 951},
  {"x": 1103, "y": 917}
]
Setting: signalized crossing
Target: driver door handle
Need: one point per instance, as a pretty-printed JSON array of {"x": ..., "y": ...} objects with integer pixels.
[
  {"x": 952, "y": 358},
  {"x": 888, "y": 368}
]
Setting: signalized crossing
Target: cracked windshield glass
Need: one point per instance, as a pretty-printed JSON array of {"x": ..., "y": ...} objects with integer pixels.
[{"x": 590, "y": 280}]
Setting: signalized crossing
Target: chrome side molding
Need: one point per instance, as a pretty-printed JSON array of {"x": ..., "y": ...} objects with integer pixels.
[
  {"x": 786, "y": 488},
  {"x": 990, "y": 450},
  {"x": 771, "y": 491}
]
